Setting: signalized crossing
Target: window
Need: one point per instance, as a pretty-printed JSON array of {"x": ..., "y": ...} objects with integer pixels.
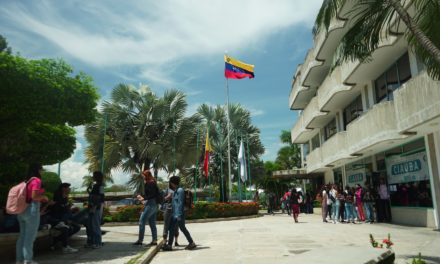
[
  {"x": 352, "y": 111},
  {"x": 315, "y": 142},
  {"x": 330, "y": 129},
  {"x": 392, "y": 79}
]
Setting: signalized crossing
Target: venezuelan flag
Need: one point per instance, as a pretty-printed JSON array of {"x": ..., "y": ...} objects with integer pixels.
[{"x": 235, "y": 69}]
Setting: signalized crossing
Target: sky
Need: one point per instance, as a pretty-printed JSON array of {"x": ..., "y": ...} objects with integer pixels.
[{"x": 171, "y": 44}]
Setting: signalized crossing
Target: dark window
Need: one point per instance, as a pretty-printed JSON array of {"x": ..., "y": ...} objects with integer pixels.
[
  {"x": 330, "y": 129},
  {"x": 352, "y": 111},
  {"x": 392, "y": 79},
  {"x": 315, "y": 142}
]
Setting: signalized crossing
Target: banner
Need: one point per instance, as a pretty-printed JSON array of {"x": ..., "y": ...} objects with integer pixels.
[
  {"x": 408, "y": 168},
  {"x": 357, "y": 176}
]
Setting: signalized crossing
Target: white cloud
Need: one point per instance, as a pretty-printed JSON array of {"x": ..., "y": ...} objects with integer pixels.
[
  {"x": 72, "y": 170},
  {"x": 152, "y": 33}
]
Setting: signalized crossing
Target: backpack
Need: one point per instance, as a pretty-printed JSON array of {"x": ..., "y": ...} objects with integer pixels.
[
  {"x": 17, "y": 198},
  {"x": 188, "y": 202}
]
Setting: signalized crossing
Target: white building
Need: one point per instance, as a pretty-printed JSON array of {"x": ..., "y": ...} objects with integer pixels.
[{"x": 363, "y": 121}]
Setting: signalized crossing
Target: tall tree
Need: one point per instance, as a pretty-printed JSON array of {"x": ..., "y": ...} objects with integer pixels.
[
  {"x": 289, "y": 156},
  {"x": 372, "y": 18},
  {"x": 215, "y": 120},
  {"x": 41, "y": 101},
  {"x": 142, "y": 130}
]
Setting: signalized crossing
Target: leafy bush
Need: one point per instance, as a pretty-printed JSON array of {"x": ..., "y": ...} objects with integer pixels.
[{"x": 201, "y": 210}]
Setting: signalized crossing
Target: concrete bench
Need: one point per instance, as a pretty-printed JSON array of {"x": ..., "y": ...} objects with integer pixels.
[{"x": 9, "y": 240}]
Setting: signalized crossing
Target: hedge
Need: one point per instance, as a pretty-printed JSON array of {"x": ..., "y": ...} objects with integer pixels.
[{"x": 200, "y": 210}]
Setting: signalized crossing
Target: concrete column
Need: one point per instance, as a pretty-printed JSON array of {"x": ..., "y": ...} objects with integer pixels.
[
  {"x": 370, "y": 90},
  {"x": 413, "y": 63},
  {"x": 329, "y": 176},
  {"x": 341, "y": 120},
  {"x": 432, "y": 143},
  {"x": 344, "y": 177},
  {"x": 365, "y": 98}
]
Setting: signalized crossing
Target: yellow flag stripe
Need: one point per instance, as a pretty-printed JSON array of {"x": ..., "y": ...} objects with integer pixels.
[{"x": 237, "y": 63}]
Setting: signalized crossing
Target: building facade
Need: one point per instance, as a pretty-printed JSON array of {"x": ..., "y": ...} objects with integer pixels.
[{"x": 366, "y": 121}]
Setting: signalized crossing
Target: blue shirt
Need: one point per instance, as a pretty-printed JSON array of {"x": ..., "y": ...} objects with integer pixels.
[{"x": 178, "y": 202}]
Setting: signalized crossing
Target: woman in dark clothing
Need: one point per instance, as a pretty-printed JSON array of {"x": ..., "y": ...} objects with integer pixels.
[
  {"x": 294, "y": 202},
  {"x": 149, "y": 214},
  {"x": 95, "y": 208}
]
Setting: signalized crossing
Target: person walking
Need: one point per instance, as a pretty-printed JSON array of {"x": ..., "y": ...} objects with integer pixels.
[
  {"x": 151, "y": 191},
  {"x": 295, "y": 200},
  {"x": 167, "y": 209},
  {"x": 286, "y": 201},
  {"x": 95, "y": 207},
  {"x": 29, "y": 220},
  {"x": 178, "y": 217}
]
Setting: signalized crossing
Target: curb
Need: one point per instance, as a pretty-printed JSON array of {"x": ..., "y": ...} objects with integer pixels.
[
  {"x": 205, "y": 220},
  {"x": 147, "y": 256}
]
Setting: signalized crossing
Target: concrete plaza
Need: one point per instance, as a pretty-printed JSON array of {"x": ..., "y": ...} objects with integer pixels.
[{"x": 268, "y": 239}]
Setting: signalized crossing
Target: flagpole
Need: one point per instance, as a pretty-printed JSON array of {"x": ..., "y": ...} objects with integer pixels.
[
  {"x": 238, "y": 172},
  {"x": 249, "y": 165},
  {"x": 221, "y": 161},
  {"x": 197, "y": 166},
  {"x": 229, "y": 142},
  {"x": 103, "y": 142}
]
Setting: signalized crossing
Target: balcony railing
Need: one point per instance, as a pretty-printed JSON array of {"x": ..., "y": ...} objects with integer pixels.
[
  {"x": 335, "y": 148},
  {"x": 314, "y": 160},
  {"x": 417, "y": 101},
  {"x": 377, "y": 125}
]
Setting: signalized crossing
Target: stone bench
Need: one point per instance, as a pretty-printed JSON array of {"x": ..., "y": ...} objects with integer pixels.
[{"x": 9, "y": 240}]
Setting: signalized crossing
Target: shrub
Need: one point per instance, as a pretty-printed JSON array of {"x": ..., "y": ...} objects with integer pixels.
[{"x": 200, "y": 210}]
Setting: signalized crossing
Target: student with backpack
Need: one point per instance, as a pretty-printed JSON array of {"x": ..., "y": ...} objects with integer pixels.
[
  {"x": 151, "y": 193},
  {"x": 167, "y": 209},
  {"x": 178, "y": 217},
  {"x": 29, "y": 219}
]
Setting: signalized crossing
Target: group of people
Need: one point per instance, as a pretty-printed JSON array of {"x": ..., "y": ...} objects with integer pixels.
[
  {"x": 59, "y": 214},
  {"x": 355, "y": 204},
  {"x": 173, "y": 209}
]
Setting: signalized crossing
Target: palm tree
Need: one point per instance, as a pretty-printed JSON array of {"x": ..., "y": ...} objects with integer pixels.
[
  {"x": 288, "y": 156},
  {"x": 215, "y": 120},
  {"x": 143, "y": 131},
  {"x": 372, "y": 17}
]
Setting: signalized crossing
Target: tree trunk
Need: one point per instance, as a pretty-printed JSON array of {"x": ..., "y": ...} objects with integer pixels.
[{"x": 420, "y": 36}]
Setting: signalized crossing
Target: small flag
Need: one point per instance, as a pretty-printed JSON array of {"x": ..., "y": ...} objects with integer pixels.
[
  {"x": 235, "y": 69},
  {"x": 206, "y": 161},
  {"x": 242, "y": 160}
]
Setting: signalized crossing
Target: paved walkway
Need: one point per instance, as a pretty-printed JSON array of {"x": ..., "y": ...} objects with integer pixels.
[
  {"x": 277, "y": 239},
  {"x": 268, "y": 239}
]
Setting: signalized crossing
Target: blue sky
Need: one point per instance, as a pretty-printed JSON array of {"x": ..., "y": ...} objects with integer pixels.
[{"x": 172, "y": 44}]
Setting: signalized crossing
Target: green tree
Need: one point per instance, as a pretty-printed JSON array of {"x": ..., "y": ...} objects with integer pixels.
[
  {"x": 42, "y": 100},
  {"x": 214, "y": 119},
  {"x": 373, "y": 17},
  {"x": 51, "y": 181},
  {"x": 142, "y": 131},
  {"x": 289, "y": 156}
]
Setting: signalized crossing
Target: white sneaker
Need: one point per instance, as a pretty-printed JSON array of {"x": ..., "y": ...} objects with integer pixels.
[
  {"x": 69, "y": 249},
  {"x": 30, "y": 262},
  {"x": 61, "y": 225}
]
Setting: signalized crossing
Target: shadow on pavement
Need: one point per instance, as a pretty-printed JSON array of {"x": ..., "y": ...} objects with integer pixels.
[{"x": 429, "y": 259}]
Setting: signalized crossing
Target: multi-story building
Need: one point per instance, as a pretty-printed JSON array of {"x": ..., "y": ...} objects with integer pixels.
[{"x": 363, "y": 121}]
